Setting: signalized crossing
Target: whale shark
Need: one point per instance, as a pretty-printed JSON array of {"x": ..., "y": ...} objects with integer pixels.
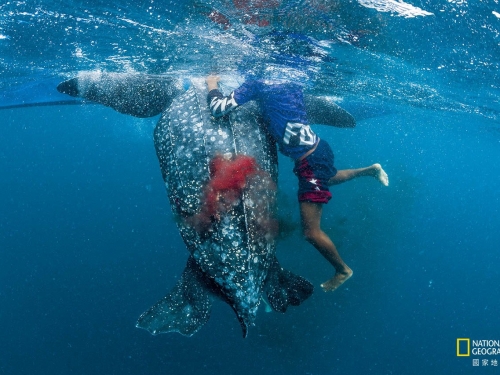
[{"x": 235, "y": 259}]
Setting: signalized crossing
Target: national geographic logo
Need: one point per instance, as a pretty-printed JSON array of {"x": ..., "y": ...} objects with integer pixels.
[{"x": 466, "y": 347}]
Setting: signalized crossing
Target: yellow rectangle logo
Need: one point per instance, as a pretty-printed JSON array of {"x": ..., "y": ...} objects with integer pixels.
[{"x": 460, "y": 348}]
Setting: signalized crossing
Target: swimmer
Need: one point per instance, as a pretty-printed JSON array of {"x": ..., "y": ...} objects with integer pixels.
[{"x": 283, "y": 108}]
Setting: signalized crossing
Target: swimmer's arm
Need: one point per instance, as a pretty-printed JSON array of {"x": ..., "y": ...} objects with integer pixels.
[{"x": 219, "y": 104}]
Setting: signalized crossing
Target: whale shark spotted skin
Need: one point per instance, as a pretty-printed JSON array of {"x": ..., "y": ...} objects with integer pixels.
[{"x": 235, "y": 262}]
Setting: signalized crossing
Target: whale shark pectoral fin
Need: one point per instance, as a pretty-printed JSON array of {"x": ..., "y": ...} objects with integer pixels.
[
  {"x": 185, "y": 309},
  {"x": 139, "y": 95},
  {"x": 321, "y": 110},
  {"x": 284, "y": 288}
]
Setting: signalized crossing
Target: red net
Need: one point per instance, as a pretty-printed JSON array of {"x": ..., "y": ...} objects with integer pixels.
[{"x": 229, "y": 178}]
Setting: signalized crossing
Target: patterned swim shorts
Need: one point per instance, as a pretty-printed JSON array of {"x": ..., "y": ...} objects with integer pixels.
[{"x": 314, "y": 172}]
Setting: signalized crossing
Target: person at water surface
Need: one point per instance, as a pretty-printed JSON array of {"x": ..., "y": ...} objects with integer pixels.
[{"x": 283, "y": 109}]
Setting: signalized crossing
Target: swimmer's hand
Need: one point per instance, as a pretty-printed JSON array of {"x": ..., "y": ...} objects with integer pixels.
[{"x": 212, "y": 82}]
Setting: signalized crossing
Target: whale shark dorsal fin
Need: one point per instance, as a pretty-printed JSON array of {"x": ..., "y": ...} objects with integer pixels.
[{"x": 323, "y": 110}]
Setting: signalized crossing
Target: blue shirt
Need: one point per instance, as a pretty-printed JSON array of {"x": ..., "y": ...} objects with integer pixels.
[{"x": 283, "y": 110}]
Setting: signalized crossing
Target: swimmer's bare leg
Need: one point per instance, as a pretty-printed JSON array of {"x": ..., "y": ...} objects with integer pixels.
[
  {"x": 374, "y": 170},
  {"x": 311, "y": 220}
]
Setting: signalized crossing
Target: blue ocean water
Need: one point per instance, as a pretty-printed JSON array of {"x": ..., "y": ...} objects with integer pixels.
[{"x": 88, "y": 241}]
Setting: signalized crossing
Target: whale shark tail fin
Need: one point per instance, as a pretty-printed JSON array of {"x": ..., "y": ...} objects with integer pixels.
[
  {"x": 284, "y": 288},
  {"x": 185, "y": 309}
]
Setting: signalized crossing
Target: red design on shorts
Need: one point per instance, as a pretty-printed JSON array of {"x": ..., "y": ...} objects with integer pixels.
[
  {"x": 311, "y": 188},
  {"x": 315, "y": 196}
]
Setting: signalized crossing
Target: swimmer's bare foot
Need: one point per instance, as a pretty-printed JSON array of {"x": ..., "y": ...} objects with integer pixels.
[
  {"x": 380, "y": 174},
  {"x": 337, "y": 280}
]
